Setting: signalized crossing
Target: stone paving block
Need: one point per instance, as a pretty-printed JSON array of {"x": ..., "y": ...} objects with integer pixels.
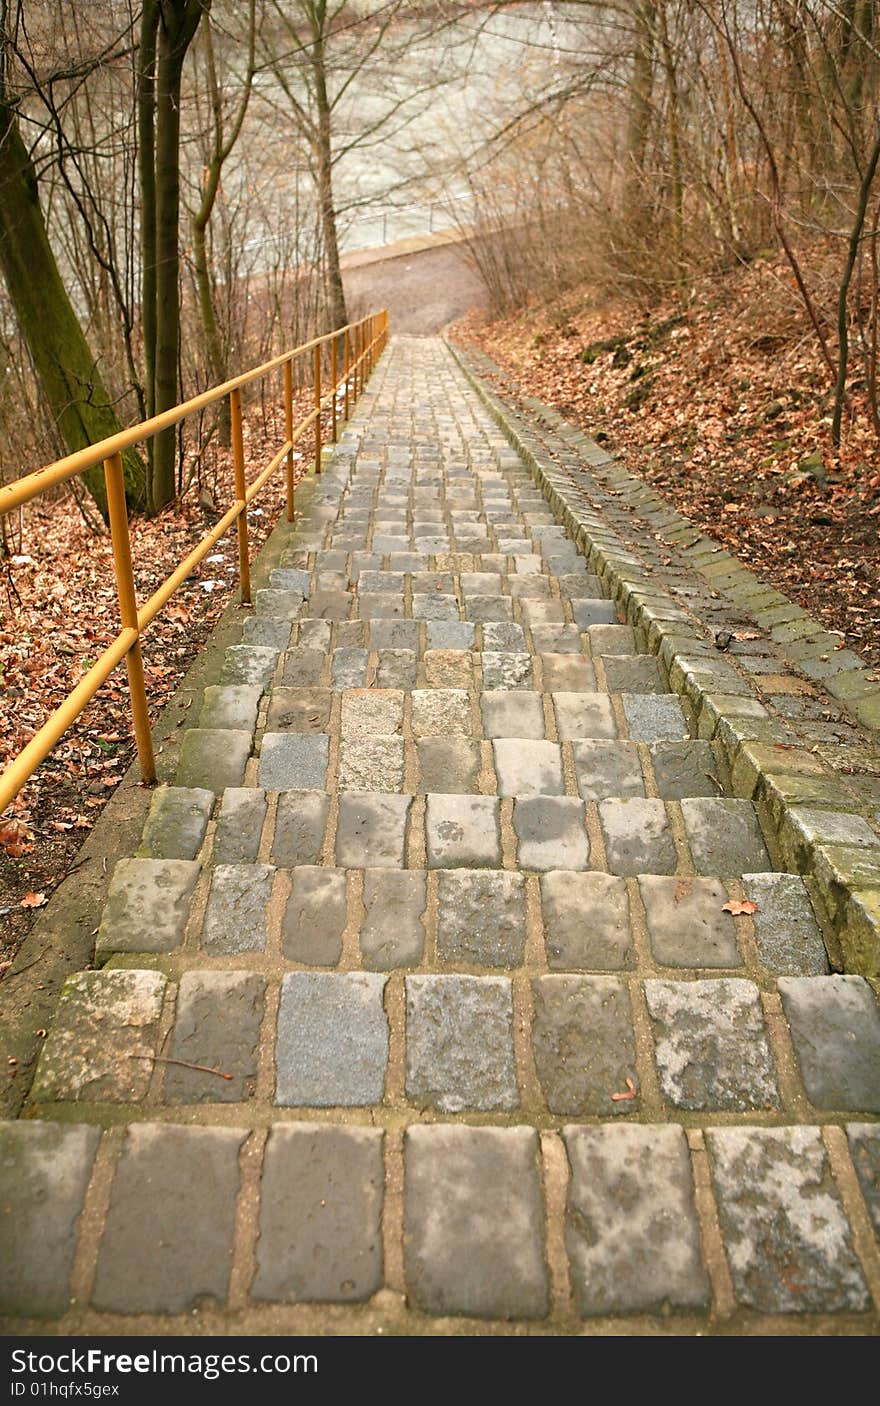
[
  {"x": 235, "y": 917},
  {"x": 512, "y": 713},
  {"x": 176, "y": 823},
  {"x": 450, "y": 634},
  {"x": 280, "y": 604},
  {"x": 684, "y": 769},
  {"x": 249, "y": 664},
  {"x": 314, "y": 635},
  {"x": 526, "y": 768},
  {"x": 654, "y": 717},
  {"x": 329, "y": 605},
  {"x": 612, "y": 639},
  {"x": 372, "y": 712},
  {"x": 393, "y": 933},
  {"x": 556, "y": 639},
  {"x": 864, "y": 1147},
  {"x": 431, "y": 606},
  {"x": 788, "y": 936},
  {"x": 481, "y": 918},
  {"x": 711, "y": 1045},
  {"x": 371, "y": 765},
  {"x": 687, "y": 926},
  {"x": 502, "y": 637},
  {"x": 584, "y": 715},
  {"x": 529, "y": 587},
  {"x": 593, "y": 612},
  {"x": 542, "y": 612},
  {"x": 724, "y": 836},
  {"x": 172, "y": 1214},
  {"x": 631, "y": 1230},
  {"x": 441, "y": 712},
  {"x": 607, "y": 769},
  {"x": 396, "y": 668},
  {"x": 835, "y": 1027},
  {"x": 586, "y": 921},
  {"x": 551, "y": 833},
  {"x": 293, "y": 761},
  {"x": 394, "y": 634},
  {"x": 290, "y": 579},
  {"x": 233, "y": 705},
  {"x": 583, "y": 1042},
  {"x": 213, "y": 758},
  {"x": 474, "y": 1222},
  {"x": 372, "y": 830},
  {"x": 315, "y": 917},
  {"x": 506, "y": 671},
  {"x": 266, "y": 632},
  {"x": 463, "y": 832},
  {"x": 459, "y": 1043},
  {"x": 303, "y": 666},
  {"x": 332, "y": 1043},
  {"x": 299, "y": 710},
  {"x": 449, "y": 668},
  {"x": 484, "y": 609},
  {"x": 217, "y": 1026},
  {"x": 44, "y": 1172},
  {"x": 320, "y": 1215},
  {"x": 785, "y": 1232},
  {"x": 639, "y": 673},
  {"x": 348, "y": 667},
  {"x": 567, "y": 673},
  {"x": 102, "y": 1044},
  {"x": 638, "y": 837},
  {"x": 480, "y": 583},
  {"x": 450, "y": 764},
  {"x": 147, "y": 905},
  {"x": 299, "y": 828}
]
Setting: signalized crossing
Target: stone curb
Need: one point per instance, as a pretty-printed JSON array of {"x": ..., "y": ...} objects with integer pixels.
[{"x": 810, "y": 817}]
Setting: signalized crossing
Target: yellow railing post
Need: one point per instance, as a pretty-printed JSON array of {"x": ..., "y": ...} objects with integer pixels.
[
  {"x": 288, "y": 433},
  {"x": 334, "y": 372},
  {"x": 244, "y": 565},
  {"x": 118, "y": 515},
  {"x": 347, "y": 366},
  {"x": 317, "y": 378}
]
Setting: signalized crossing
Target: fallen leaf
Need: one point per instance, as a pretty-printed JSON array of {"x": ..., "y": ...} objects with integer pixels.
[
  {"x": 34, "y": 900},
  {"x": 747, "y": 634},
  {"x": 736, "y": 906},
  {"x": 631, "y": 1091}
]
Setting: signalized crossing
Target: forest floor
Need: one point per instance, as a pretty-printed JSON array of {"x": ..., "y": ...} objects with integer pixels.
[
  {"x": 725, "y": 409},
  {"x": 58, "y": 612}
]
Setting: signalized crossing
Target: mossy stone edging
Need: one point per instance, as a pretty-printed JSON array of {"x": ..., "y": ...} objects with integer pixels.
[{"x": 811, "y": 820}]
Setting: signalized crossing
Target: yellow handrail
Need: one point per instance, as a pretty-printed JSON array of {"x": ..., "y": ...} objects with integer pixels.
[{"x": 363, "y": 341}]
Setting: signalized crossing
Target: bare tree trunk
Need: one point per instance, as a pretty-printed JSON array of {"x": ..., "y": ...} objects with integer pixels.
[
  {"x": 324, "y": 160},
  {"x": 843, "y": 296}
]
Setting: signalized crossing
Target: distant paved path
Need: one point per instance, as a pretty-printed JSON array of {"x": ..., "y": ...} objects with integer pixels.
[{"x": 443, "y": 893}]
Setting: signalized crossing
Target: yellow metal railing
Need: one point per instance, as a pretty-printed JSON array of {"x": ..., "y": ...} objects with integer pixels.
[{"x": 361, "y": 344}]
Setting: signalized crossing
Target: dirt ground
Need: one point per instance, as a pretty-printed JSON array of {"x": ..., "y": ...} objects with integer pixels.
[{"x": 423, "y": 290}]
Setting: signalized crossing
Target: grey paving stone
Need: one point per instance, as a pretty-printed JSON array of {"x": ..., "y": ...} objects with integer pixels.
[
  {"x": 459, "y": 1043},
  {"x": 372, "y": 830},
  {"x": 393, "y": 933},
  {"x": 567, "y": 673},
  {"x": 711, "y": 1045},
  {"x": 315, "y": 917},
  {"x": 864, "y": 1147},
  {"x": 320, "y": 1215},
  {"x": 102, "y": 1043},
  {"x": 435, "y": 607},
  {"x": 542, "y": 612},
  {"x": 348, "y": 667},
  {"x": 638, "y": 673},
  {"x": 329, "y": 605},
  {"x": 233, "y": 705},
  {"x": 372, "y": 712},
  {"x": 266, "y": 632},
  {"x": 213, "y": 758},
  {"x": 593, "y": 612},
  {"x": 480, "y": 583},
  {"x": 483, "y": 609},
  {"x": 299, "y": 828},
  {"x": 583, "y": 1041},
  {"x": 581, "y": 585},
  {"x": 396, "y": 668},
  {"x": 684, "y": 769},
  {"x": 449, "y": 634},
  {"x": 44, "y": 1172},
  {"x": 512, "y": 713},
  {"x": 441, "y": 712},
  {"x": 147, "y": 905},
  {"x": 687, "y": 926},
  {"x": 785, "y": 1233},
  {"x": 654, "y": 717},
  {"x": 481, "y": 917},
  {"x": 551, "y": 833},
  {"x": 374, "y": 764},
  {"x": 612, "y": 639},
  {"x": 303, "y": 666},
  {"x": 449, "y": 668},
  {"x": 249, "y": 664},
  {"x": 172, "y": 1213},
  {"x": 584, "y": 715},
  {"x": 217, "y": 1026},
  {"x": 586, "y": 921},
  {"x": 607, "y": 769},
  {"x": 638, "y": 837},
  {"x": 394, "y": 634},
  {"x": 502, "y": 636},
  {"x": 291, "y": 579},
  {"x": 299, "y": 710},
  {"x": 788, "y": 936},
  {"x": 450, "y": 764},
  {"x": 556, "y": 639},
  {"x": 835, "y": 1026},
  {"x": 631, "y": 1228},
  {"x": 463, "y": 832},
  {"x": 724, "y": 836},
  {"x": 474, "y": 1222},
  {"x": 235, "y": 917},
  {"x": 176, "y": 823},
  {"x": 293, "y": 761},
  {"x": 314, "y": 635},
  {"x": 526, "y": 768},
  {"x": 332, "y": 1044},
  {"x": 280, "y": 604}
]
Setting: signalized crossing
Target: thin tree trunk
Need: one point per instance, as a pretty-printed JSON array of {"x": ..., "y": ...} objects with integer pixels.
[
  {"x": 324, "y": 155},
  {"x": 146, "y": 115},
  {"x": 843, "y": 295}
]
